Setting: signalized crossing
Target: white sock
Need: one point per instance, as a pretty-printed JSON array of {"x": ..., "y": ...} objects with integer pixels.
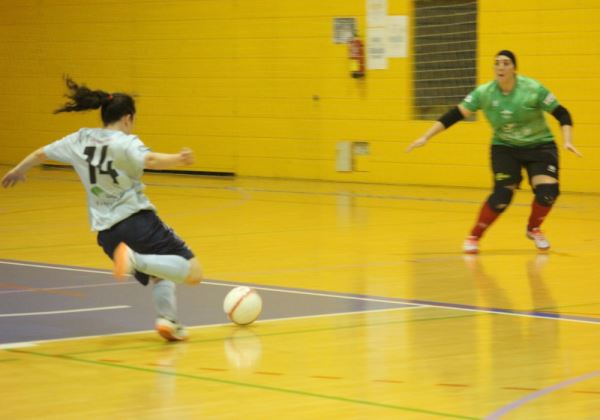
[
  {"x": 164, "y": 299},
  {"x": 172, "y": 267}
]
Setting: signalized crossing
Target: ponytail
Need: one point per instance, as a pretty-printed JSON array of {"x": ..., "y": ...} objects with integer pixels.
[{"x": 113, "y": 106}]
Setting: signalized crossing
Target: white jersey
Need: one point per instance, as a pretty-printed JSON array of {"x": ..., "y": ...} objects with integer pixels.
[{"x": 110, "y": 164}]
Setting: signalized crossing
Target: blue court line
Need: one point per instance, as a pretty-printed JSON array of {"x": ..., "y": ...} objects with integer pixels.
[
  {"x": 496, "y": 415},
  {"x": 418, "y": 302},
  {"x": 444, "y": 305}
]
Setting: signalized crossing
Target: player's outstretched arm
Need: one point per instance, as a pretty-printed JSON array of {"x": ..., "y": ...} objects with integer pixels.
[
  {"x": 18, "y": 173},
  {"x": 154, "y": 160},
  {"x": 436, "y": 128},
  {"x": 448, "y": 119},
  {"x": 567, "y": 132}
]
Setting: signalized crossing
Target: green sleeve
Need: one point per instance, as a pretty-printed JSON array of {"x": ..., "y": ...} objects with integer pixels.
[
  {"x": 547, "y": 100},
  {"x": 472, "y": 101}
]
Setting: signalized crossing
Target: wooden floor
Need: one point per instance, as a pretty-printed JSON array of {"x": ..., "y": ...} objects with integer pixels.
[{"x": 511, "y": 333}]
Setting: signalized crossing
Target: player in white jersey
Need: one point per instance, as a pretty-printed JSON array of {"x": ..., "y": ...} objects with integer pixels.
[{"x": 110, "y": 162}]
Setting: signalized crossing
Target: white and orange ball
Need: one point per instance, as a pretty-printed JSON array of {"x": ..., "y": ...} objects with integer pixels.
[{"x": 242, "y": 305}]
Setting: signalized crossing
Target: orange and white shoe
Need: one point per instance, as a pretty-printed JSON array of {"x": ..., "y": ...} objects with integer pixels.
[
  {"x": 123, "y": 262},
  {"x": 539, "y": 239},
  {"x": 169, "y": 330},
  {"x": 471, "y": 245}
]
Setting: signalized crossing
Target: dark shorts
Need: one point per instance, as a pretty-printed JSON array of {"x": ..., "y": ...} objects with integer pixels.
[
  {"x": 145, "y": 233},
  {"x": 507, "y": 163}
]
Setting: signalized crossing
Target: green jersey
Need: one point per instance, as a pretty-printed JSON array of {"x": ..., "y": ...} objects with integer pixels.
[{"x": 517, "y": 118}]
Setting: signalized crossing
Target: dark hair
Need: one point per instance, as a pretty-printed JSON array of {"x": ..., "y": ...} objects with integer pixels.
[
  {"x": 113, "y": 106},
  {"x": 510, "y": 55}
]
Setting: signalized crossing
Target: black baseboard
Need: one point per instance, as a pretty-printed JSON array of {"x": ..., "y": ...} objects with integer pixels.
[{"x": 156, "y": 171}]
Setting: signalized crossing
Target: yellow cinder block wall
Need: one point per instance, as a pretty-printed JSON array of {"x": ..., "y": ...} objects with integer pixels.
[{"x": 258, "y": 88}]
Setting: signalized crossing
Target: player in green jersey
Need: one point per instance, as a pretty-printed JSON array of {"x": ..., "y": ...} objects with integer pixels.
[{"x": 514, "y": 105}]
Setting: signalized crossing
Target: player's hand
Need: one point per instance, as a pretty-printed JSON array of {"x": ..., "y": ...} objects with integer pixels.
[
  {"x": 573, "y": 149},
  {"x": 187, "y": 156},
  {"x": 12, "y": 177},
  {"x": 420, "y": 142}
]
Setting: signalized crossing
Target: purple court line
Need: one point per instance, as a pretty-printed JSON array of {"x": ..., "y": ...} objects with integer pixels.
[
  {"x": 501, "y": 311},
  {"x": 520, "y": 402},
  {"x": 416, "y": 302}
]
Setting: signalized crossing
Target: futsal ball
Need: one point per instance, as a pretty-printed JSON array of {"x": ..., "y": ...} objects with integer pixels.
[{"x": 242, "y": 305}]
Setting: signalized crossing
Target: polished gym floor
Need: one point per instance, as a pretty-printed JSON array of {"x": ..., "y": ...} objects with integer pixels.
[{"x": 370, "y": 308}]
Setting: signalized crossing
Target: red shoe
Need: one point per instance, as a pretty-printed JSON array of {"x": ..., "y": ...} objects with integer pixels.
[{"x": 471, "y": 245}]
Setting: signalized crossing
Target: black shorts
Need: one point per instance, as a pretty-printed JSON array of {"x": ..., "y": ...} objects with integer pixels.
[
  {"x": 145, "y": 233},
  {"x": 507, "y": 163}
]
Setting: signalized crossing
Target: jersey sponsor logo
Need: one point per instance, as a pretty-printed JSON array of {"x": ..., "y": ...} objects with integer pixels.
[
  {"x": 97, "y": 191},
  {"x": 500, "y": 176},
  {"x": 508, "y": 128},
  {"x": 506, "y": 114},
  {"x": 549, "y": 99},
  {"x": 101, "y": 197}
]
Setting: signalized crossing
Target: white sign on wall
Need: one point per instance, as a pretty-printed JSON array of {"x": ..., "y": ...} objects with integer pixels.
[
  {"x": 396, "y": 36},
  {"x": 376, "y": 13},
  {"x": 376, "y": 43},
  {"x": 376, "y": 58}
]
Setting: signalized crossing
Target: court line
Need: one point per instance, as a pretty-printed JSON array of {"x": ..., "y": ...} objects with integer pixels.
[
  {"x": 315, "y": 293},
  {"x": 247, "y": 191},
  {"x": 81, "y": 286},
  {"x": 199, "y": 342},
  {"x": 451, "y": 306},
  {"x": 22, "y": 344},
  {"x": 195, "y": 327},
  {"x": 432, "y": 304},
  {"x": 528, "y": 398},
  {"x": 55, "y": 267},
  {"x": 336, "y": 328},
  {"x": 20, "y": 288},
  {"x": 207, "y": 282},
  {"x": 511, "y": 312},
  {"x": 350, "y": 194},
  {"x": 67, "y": 311},
  {"x": 246, "y": 385}
]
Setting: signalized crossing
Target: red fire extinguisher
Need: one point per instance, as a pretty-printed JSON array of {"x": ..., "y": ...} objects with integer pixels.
[{"x": 356, "y": 54}]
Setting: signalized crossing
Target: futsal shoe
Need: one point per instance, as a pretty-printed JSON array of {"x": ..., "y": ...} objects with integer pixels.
[
  {"x": 538, "y": 238},
  {"x": 169, "y": 330},
  {"x": 471, "y": 245},
  {"x": 123, "y": 261}
]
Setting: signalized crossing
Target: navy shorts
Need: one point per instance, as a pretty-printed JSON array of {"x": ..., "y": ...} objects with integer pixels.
[
  {"x": 507, "y": 163},
  {"x": 145, "y": 233}
]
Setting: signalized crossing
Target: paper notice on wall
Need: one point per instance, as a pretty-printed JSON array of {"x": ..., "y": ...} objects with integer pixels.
[
  {"x": 343, "y": 30},
  {"x": 396, "y": 36},
  {"x": 376, "y": 13},
  {"x": 376, "y": 57}
]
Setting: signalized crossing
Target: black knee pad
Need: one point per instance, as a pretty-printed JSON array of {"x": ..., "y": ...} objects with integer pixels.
[
  {"x": 546, "y": 194},
  {"x": 500, "y": 198}
]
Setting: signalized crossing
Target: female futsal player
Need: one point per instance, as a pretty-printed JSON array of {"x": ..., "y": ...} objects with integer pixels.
[
  {"x": 110, "y": 162},
  {"x": 514, "y": 105}
]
